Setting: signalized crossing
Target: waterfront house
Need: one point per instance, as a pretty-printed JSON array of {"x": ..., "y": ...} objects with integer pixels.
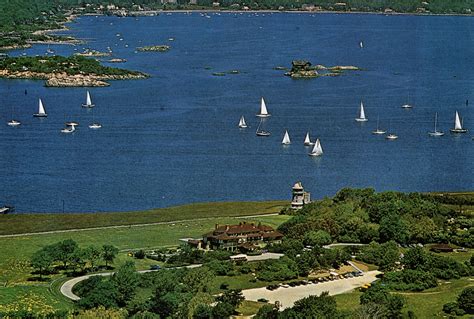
[{"x": 242, "y": 237}]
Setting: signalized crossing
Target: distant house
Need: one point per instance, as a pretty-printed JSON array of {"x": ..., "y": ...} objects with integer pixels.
[
  {"x": 243, "y": 237},
  {"x": 442, "y": 248}
]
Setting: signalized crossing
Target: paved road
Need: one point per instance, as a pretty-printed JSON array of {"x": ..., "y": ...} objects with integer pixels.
[
  {"x": 131, "y": 225},
  {"x": 288, "y": 296},
  {"x": 66, "y": 288}
]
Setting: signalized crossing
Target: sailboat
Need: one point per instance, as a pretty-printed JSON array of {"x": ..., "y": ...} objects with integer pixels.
[
  {"x": 261, "y": 132},
  {"x": 242, "y": 123},
  {"x": 458, "y": 125},
  {"x": 361, "y": 117},
  {"x": 391, "y": 136},
  {"x": 88, "y": 101},
  {"x": 436, "y": 132},
  {"x": 286, "y": 139},
  {"x": 13, "y": 122},
  {"x": 94, "y": 125},
  {"x": 41, "y": 111},
  {"x": 378, "y": 131},
  {"x": 49, "y": 50},
  {"x": 361, "y": 45},
  {"x": 263, "y": 109},
  {"x": 307, "y": 140},
  {"x": 317, "y": 149},
  {"x": 407, "y": 105}
]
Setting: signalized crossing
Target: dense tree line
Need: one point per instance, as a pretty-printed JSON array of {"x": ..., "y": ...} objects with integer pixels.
[
  {"x": 68, "y": 255},
  {"x": 363, "y": 216},
  {"x": 58, "y": 64}
]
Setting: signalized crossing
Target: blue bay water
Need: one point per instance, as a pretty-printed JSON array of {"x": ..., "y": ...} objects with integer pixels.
[{"x": 173, "y": 139}]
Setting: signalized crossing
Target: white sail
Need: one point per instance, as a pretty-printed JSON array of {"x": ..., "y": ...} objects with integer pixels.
[
  {"x": 307, "y": 139},
  {"x": 88, "y": 99},
  {"x": 242, "y": 123},
  {"x": 457, "y": 122},
  {"x": 361, "y": 44},
  {"x": 317, "y": 149},
  {"x": 362, "y": 113},
  {"x": 41, "y": 108},
  {"x": 263, "y": 109},
  {"x": 286, "y": 139},
  {"x": 361, "y": 117}
]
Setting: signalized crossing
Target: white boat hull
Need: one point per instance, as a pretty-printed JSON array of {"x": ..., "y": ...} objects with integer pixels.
[
  {"x": 361, "y": 120},
  {"x": 40, "y": 115},
  {"x": 95, "y": 126},
  {"x": 13, "y": 123},
  {"x": 242, "y": 126},
  {"x": 458, "y": 130},
  {"x": 263, "y": 115},
  {"x": 435, "y": 133},
  {"x": 263, "y": 134},
  {"x": 379, "y": 132},
  {"x": 407, "y": 106},
  {"x": 391, "y": 137},
  {"x": 88, "y": 105},
  {"x": 315, "y": 154}
]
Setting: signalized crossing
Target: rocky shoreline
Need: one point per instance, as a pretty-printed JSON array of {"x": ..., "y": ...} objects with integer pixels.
[{"x": 67, "y": 80}]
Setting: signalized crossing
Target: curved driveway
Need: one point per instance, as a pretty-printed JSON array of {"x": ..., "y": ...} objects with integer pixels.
[{"x": 66, "y": 288}]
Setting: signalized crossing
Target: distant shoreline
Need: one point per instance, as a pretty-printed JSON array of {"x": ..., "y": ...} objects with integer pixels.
[{"x": 161, "y": 11}]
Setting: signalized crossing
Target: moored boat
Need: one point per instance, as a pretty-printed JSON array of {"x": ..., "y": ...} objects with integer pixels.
[{"x": 436, "y": 132}]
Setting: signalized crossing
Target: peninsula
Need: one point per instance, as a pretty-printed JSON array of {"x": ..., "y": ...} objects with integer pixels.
[{"x": 58, "y": 71}]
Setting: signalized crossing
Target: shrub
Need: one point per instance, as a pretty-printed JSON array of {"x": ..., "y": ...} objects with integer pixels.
[{"x": 140, "y": 254}]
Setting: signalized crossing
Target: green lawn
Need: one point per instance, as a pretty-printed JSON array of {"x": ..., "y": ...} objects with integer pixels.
[
  {"x": 25, "y": 223},
  {"x": 426, "y": 305},
  {"x": 16, "y": 251}
]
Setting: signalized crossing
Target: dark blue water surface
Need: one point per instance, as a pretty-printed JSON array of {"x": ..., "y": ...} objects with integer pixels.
[{"x": 173, "y": 138}]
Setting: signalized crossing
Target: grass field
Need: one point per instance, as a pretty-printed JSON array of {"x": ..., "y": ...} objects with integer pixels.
[
  {"x": 426, "y": 305},
  {"x": 16, "y": 251},
  {"x": 26, "y": 223}
]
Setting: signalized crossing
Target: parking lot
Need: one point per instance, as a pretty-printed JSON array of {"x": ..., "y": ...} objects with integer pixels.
[{"x": 287, "y": 295}]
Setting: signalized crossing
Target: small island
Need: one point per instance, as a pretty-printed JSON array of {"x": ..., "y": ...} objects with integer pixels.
[
  {"x": 157, "y": 48},
  {"x": 92, "y": 53},
  {"x": 304, "y": 69},
  {"x": 58, "y": 71}
]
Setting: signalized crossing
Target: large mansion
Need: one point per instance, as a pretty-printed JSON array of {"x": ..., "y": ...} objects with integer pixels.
[{"x": 243, "y": 237}]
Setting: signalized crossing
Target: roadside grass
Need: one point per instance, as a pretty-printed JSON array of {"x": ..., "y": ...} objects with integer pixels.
[
  {"x": 461, "y": 256},
  {"x": 248, "y": 308},
  {"x": 426, "y": 305},
  {"x": 26, "y": 223}
]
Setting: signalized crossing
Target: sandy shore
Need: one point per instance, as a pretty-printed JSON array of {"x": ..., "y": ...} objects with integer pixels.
[{"x": 288, "y": 296}]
